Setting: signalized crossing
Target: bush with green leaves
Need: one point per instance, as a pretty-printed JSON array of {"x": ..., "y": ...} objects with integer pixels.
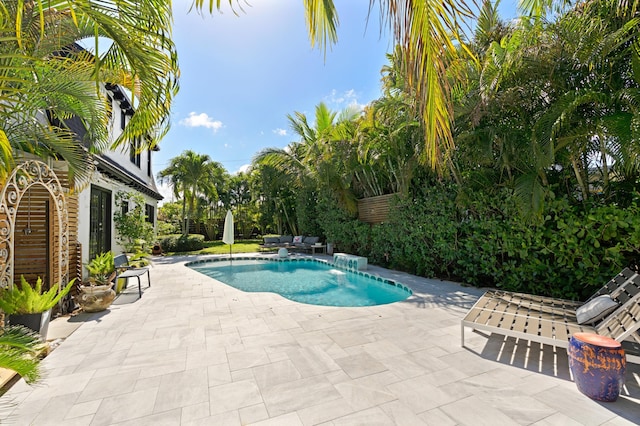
[
  {"x": 133, "y": 230},
  {"x": 25, "y": 299},
  {"x": 481, "y": 239},
  {"x": 181, "y": 243},
  {"x": 101, "y": 269}
]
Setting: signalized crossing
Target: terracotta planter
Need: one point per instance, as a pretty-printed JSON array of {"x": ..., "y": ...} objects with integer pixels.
[
  {"x": 95, "y": 298},
  {"x": 37, "y": 322}
]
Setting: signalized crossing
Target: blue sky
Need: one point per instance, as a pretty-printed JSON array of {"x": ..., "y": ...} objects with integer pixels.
[{"x": 241, "y": 75}]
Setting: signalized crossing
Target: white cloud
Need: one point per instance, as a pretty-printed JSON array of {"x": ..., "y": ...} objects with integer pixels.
[
  {"x": 166, "y": 191},
  {"x": 346, "y": 99},
  {"x": 244, "y": 168},
  {"x": 280, "y": 132},
  {"x": 201, "y": 120}
]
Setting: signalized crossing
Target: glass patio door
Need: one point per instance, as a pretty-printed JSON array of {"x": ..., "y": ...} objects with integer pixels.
[{"x": 99, "y": 222}]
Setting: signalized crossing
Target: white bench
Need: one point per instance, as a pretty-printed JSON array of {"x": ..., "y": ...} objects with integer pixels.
[{"x": 350, "y": 261}]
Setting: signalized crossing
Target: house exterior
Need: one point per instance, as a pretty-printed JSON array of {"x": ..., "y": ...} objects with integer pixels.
[
  {"x": 50, "y": 229},
  {"x": 123, "y": 169}
]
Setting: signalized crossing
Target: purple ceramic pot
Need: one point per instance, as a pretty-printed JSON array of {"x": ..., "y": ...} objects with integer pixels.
[{"x": 598, "y": 364}]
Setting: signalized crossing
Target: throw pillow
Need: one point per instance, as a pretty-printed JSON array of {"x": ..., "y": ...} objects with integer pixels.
[
  {"x": 595, "y": 309},
  {"x": 271, "y": 240},
  {"x": 286, "y": 239},
  {"x": 297, "y": 239},
  {"x": 311, "y": 240}
]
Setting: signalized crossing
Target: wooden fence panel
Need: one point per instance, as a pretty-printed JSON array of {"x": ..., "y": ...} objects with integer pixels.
[{"x": 375, "y": 210}]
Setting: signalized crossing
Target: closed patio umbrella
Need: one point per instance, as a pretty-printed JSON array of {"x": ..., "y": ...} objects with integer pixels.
[{"x": 227, "y": 235}]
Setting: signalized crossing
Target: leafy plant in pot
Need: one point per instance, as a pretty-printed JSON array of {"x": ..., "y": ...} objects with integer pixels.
[
  {"x": 97, "y": 293},
  {"x": 30, "y": 306}
]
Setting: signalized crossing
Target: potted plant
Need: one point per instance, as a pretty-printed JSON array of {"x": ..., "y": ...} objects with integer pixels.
[
  {"x": 97, "y": 293},
  {"x": 30, "y": 306}
]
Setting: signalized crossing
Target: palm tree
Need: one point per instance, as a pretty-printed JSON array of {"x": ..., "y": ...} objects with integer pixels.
[
  {"x": 42, "y": 68},
  {"x": 428, "y": 32},
  {"x": 191, "y": 175},
  {"x": 19, "y": 352}
]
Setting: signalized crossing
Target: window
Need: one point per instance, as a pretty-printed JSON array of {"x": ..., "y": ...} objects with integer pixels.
[
  {"x": 149, "y": 211},
  {"x": 110, "y": 106},
  {"x": 123, "y": 119},
  {"x": 124, "y": 209},
  {"x": 149, "y": 163},
  {"x": 99, "y": 221},
  {"x": 134, "y": 152}
]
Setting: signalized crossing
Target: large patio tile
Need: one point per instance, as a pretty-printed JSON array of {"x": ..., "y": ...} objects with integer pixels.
[
  {"x": 474, "y": 411},
  {"x": 233, "y": 396},
  {"x": 247, "y": 358},
  {"x": 126, "y": 406},
  {"x": 522, "y": 408},
  {"x": 557, "y": 419},
  {"x": 400, "y": 414},
  {"x": 420, "y": 394},
  {"x": 290, "y": 419},
  {"x": 195, "y": 412},
  {"x": 437, "y": 417},
  {"x": 325, "y": 412},
  {"x": 106, "y": 386},
  {"x": 275, "y": 373},
  {"x": 360, "y": 365},
  {"x": 168, "y": 418},
  {"x": 229, "y": 418},
  {"x": 154, "y": 363},
  {"x": 83, "y": 409},
  {"x": 372, "y": 417},
  {"x": 181, "y": 389},
  {"x": 404, "y": 366},
  {"x": 296, "y": 395},
  {"x": 253, "y": 414},
  {"x": 362, "y": 394},
  {"x": 205, "y": 358},
  {"x": 579, "y": 407},
  {"x": 312, "y": 361}
]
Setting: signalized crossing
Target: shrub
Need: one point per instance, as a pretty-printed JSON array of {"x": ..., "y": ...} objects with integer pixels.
[
  {"x": 181, "y": 243},
  {"x": 24, "y": 299},
  {"x": 480, "y": 239}
]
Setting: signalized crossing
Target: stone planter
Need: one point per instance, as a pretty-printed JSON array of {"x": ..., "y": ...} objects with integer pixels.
[
  {"x": 95, "y": 298},
  {"x": 37, "y": 322}
]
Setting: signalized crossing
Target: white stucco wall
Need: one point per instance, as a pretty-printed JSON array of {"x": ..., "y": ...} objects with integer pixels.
[{"x": 122, "y": 158}]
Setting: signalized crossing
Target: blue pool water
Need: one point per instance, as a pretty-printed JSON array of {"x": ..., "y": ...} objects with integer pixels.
[{"x": 303, "y": 281}]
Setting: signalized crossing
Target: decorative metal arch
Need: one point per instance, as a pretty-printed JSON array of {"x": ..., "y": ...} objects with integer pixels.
[{"x": 26, "y": 175}]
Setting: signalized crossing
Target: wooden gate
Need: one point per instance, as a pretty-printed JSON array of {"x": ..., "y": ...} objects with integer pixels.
[{"x": 35, "y": 186}]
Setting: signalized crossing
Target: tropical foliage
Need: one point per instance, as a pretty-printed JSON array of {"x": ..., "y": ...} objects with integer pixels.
[
  {"x": 46, "y": 78},
  {"x": 25, "y": 299},
  {"x": 19, "y": 349},
  {"x": 512, "y": 150},
  {"x": 134, "y": 231}
]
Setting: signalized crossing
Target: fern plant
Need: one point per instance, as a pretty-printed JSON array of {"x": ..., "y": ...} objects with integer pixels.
[
  {"x": 101, "y": 269},
  {"x": 25, "y": 299}
]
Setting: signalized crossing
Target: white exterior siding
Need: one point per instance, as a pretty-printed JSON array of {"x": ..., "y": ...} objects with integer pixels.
[{"x": 114, "y": 168}]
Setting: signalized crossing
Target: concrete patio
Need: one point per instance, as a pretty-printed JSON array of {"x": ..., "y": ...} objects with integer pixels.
[{"x": 193, "y": 351}]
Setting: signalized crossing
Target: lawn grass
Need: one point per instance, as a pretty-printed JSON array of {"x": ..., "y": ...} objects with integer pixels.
[{"x": 218, "y": 247}]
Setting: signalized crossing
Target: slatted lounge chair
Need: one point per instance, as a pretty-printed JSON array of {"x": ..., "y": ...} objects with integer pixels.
[{"x": 552, "y": 321}]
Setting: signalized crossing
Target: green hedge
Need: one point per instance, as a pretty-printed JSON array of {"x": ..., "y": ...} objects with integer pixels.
[
  {"x": 181, "y": 243},
  {"x": 571, "y": 252}
]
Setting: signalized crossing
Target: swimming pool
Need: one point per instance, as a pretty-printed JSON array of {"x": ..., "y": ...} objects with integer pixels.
[{"x": 306, "y": 281}]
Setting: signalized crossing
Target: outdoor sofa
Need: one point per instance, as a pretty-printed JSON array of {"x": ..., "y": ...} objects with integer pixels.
[
  {"x": 552, "y": 321},
  {"x": 297, "y": 243}
]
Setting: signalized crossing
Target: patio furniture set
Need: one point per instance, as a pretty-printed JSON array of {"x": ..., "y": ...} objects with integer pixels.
[{"x": 300, "y": 243}]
